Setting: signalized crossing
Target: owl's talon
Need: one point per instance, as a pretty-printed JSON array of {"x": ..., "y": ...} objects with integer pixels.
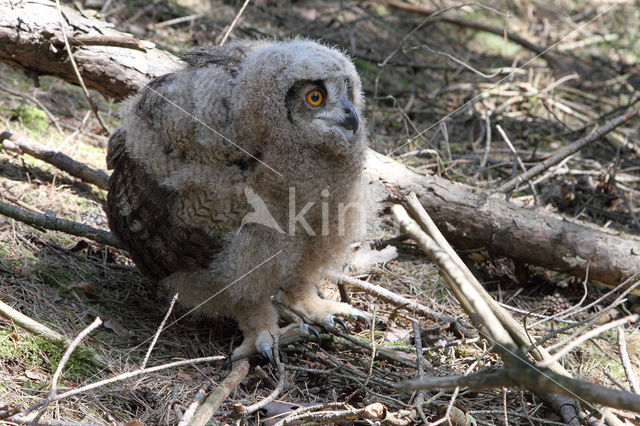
[
  {"x": 308, "y": 329},
  {"x": 358, "y": 314},
  {"x": 332, "y": 319},
  {"x": 267, "y": 352}
]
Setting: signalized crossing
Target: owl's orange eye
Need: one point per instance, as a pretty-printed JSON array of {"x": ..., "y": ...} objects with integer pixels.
[{"x": 315, "y": 97}]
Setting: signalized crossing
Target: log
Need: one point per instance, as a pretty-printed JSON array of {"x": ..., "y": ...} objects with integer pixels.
[
  {"x": 31, "y": 40},
  {"x": 470, "y": 218}
]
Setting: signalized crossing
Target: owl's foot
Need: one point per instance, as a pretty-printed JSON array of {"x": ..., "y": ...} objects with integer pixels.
[
  {"x": 266, "y": 348},
  {"x": 260, "y": 328},
  {"x": 321, "y": 311}
]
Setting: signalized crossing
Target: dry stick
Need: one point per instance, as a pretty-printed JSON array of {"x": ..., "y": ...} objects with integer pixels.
[
  {"x": 34, "y": 100},
  {"x": 124, "y": 376},
  {"x": 234, "y": 22},
  {"x": 25, "y": 145},
  {"x": 532, "y": 379},
  {"x": 539, "y": 50},
  {"x": 626, "y": 362},
  {"x": 75, "y": 69},
  {"x": 391, "y": 297},
  {"x": 586, "y": 336},
  {"x": 160, "y": 328},
  {"x": 567, "y": 151},
  {"x": 376, "y": 411},
  {"x": 63, "y": 361},
  {"x": 517, "y": 157},
  {"x": 191, "y": 409},
  {"x": 518, "y": 371},
  {"x": 126, "y": 42},
  {"x": 516, "y": 331},
  {"x": 514, "y": 328},
  {"x": 57, "y": 224},
  {"x": 455, "y": 278},
  {"x": 219, "y": 394},
  {"x": 293, "y": 415},
  {"x": 419, "y": 399},
  {"x": 30, "y": 324}
]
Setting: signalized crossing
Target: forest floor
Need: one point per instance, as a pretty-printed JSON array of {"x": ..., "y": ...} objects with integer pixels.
[{"x": 436, "y": 93}]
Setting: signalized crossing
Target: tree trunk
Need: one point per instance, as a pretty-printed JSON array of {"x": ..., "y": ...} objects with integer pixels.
[{"x": 31, "y": 40}]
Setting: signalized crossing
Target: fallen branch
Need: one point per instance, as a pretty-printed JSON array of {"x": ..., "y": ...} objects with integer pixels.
[
  {"x": 25, "y": 145},
  {"x": 391, "y": 297},
  {"x": 502, "y": 32},
  {"x": 626, "y": 362},
  {"x": 567, "y": 151},
  {"x": 372, "y": 412},
  {"x": 219, "y": 394},
  {"x": 56, "y": 224},
  {"x": 540, "y": 379},
  {"x": 30, "y": 324},
  {"x": 518, "y": 371}
]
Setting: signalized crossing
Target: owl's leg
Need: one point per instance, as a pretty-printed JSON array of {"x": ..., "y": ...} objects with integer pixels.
[
  {"x": 304, "y": 298},
  {"x": 259, "y": 323}
]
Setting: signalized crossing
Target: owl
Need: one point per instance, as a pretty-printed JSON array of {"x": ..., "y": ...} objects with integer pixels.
[{"x": 239, "y": 179}]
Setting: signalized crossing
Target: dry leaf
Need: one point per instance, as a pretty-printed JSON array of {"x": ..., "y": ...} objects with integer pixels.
[
  {"x": 115, "y": 326},
  {"x": 82, "y": 285},
  {"x": 36, "y": 374}
]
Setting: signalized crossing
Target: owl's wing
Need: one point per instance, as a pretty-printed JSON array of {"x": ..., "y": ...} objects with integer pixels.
[{"x": 138, "y": 212}]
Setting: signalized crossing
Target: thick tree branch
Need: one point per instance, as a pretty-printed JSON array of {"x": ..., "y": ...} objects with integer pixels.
[
  {"x": 24, "y": 145},
  {"x": 57, "y": 224}
]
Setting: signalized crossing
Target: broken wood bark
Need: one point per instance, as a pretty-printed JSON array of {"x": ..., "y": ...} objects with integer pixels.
[{"x": 470, "y": 218}]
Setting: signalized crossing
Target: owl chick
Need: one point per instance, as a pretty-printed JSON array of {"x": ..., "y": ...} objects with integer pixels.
[{"x": 239, "y": 177}]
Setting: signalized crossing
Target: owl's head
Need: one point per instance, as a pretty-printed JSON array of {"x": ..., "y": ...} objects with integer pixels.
[{"x": 297, "y": 96}]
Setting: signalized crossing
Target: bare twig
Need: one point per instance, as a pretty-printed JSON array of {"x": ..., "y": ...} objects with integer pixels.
[
  {"x": 391, "y": 297},
  {"x": 219, "y": 394},
  {"x": 466, "y": 287},
  {"x": 539, "y": 50},
  {"x": 124, "y": 376},
  {"x": 160, "y": 328},
  {"x": 419, "y": 399},
  {"x": 35, "y": 100},
  {"x": 126, "y": 42},
  {"x": 75, "y": 69},
  {"x": 25, "y": 145},
  {"x": 56, "y": 224},
  {"x": 375, "y": 411},
  {"x": 175, "y": 21},
  {"x": 234, "y": 22},
  {"x": 626, "y": 362},
  {"x": 63, "y": 361},
  {"x": 567, "y": 151},
  {"x": 517, "y": 157},
  {"x": 187, "y": 416}
]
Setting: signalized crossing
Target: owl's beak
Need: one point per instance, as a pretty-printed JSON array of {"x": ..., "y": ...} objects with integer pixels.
[{"x": 350, "y": 120}]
